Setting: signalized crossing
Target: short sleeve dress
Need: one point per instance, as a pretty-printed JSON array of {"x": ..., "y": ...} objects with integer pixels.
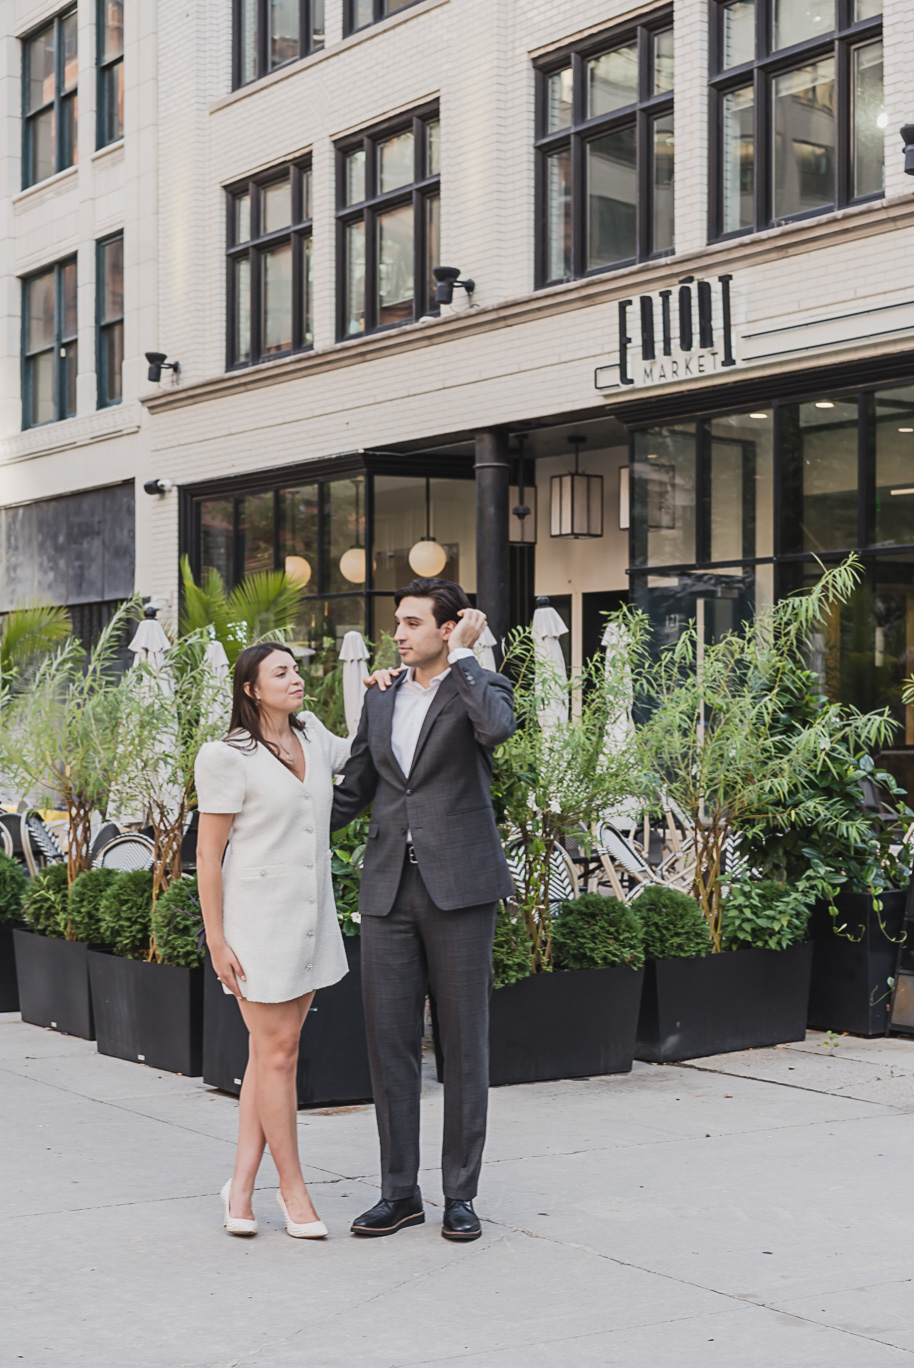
[{"x": 279, "y": 914}]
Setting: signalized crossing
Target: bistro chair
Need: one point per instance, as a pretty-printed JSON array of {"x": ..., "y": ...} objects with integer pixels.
[
  {"x": 39, "y": 847},
  {"x": 128, "y": 852},
  {"x": 6, "y": 841},
  {"x": 563, "y": 877}
]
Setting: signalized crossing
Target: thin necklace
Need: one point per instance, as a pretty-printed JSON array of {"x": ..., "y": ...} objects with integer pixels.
[{"x": 282, "y": 746}]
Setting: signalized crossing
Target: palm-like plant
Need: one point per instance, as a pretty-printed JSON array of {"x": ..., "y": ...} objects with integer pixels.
[
  {"x": 31, "y": 631},
  {"x": 262, "y": 605}
]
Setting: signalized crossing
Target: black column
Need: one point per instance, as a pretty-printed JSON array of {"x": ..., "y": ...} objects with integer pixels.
[{"x": 492, "y": 563}]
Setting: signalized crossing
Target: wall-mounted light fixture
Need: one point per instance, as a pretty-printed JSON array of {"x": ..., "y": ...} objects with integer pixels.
[
  {"x": 428, "y": 557},
  {"x": 447, "y": 277},
  {"x": 159, "y": 362},
  {"x": 907, "y": 137},
  {"x": 576, "y": 500}
]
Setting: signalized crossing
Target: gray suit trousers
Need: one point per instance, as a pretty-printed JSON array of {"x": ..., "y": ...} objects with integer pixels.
[{"x": 416, "y": 947}]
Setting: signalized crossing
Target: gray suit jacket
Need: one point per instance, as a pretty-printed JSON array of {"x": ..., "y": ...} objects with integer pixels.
[{"x": 445, "y": 801}]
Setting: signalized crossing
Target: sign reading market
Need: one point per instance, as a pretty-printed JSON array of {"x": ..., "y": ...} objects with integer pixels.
[{"x": 673, "y": 335}]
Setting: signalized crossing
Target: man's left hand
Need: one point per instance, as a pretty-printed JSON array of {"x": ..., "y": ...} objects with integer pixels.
[{"x": 469, "y": 629}]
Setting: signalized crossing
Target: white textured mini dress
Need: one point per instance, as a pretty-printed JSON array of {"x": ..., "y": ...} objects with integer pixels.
[{"x": 279, "y": 915}]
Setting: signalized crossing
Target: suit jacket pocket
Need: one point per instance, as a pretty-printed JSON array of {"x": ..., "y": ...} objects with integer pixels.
[{"x": 373, "y": 830}]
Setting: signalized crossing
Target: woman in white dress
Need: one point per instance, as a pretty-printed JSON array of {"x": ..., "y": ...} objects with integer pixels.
[{"x": 265, "y": 793}]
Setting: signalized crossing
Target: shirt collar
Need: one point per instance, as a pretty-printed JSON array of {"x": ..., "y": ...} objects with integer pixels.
[{"x": 432, "y": 683}]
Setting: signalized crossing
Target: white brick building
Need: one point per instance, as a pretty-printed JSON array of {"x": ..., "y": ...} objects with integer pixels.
[{"x": 789, "y": 179}]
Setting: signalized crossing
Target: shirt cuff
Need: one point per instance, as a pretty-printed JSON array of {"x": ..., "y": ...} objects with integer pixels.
[{"x": 459, "y": 653}]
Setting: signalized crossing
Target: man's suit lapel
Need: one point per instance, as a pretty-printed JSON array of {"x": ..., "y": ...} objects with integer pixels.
[{"x": 445, "y": 691}]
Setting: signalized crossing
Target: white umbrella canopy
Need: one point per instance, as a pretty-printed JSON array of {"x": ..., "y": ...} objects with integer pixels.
[
  {"x": 354, "y": 656},
  {"x": 485, "y": 653},
  {"x": 150, "y": 644},
  {"x": 219, "y": 701},
  {"x": 620, "y": 728},
  {"x": 546, "y": 628}
]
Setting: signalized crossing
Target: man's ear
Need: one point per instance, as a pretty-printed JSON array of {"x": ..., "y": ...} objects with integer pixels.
[{"x": 447, "y": 628}]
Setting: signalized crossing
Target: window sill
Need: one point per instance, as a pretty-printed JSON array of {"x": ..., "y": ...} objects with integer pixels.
[
  {"x": 68, "y": 433},
  {"x": 109, "y": 150},
  {"x": 50, "y": 186},
  {"x": 315, "y": 58}
]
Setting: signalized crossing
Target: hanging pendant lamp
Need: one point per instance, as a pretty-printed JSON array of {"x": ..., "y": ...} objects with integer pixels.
[
  {"x": 352, "y": 562},
  {"x": 577, "y": 500},
  {"x": 428, "y": 558}
]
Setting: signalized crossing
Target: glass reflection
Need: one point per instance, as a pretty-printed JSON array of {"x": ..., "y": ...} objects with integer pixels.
[
  {"x": 558, "y": 215},
  {"x": 894, "y": 503},
  {"x": 611, "y": 198},
  {"x": 399, "y": 522},
  {"x": 344, "y": 511},
  {"x": 869, "y": 120},
  {"x": 739, "y": 33},
  {"x": 795, "y": 21},
  {"x": 355, "y": 278},
  {"x": 804, "y": 139},
  {"x": 558, "y": 103},
  {"x": 664, "y": 495},
  {"x": 717, "y": 601},
  {"x": 242, "y": 270},
  {"x": 276, "y": 206},
  {"x": 739, "y": 492},
  {"x": 396, "y": 286},
  {"x": 355, "y": 176},
  {"x": 663, "y": 61},
  {"x": 396, "y": 162},
  {"x": 664, "y": 146},
  {"x": 299, "y": 533},
  {"x": 217, "y": 538},
  {"x": 738, "y": 111},
  {"x": 819, "y": 475},
  {"x": 284, "y": 18},
  {"x": 612, "y": 80},
  {"x": 867, "y": 9},
  {"x": 276, "y": 273},
  {"x": 255, "y": 532}
]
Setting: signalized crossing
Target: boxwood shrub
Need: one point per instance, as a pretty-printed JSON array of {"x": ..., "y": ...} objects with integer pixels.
[
  {"x": 12, "y": 889},
  {"x": 125, "y": 913},
  {"x": 511, "y": 957},
  {"x": 176, "y": 925},
  {"x": 86, "y": 893},
  {"x": 44, "y": 906},
  {"x": 594, "y": 932},
  {"x": 673, "y": 924}
]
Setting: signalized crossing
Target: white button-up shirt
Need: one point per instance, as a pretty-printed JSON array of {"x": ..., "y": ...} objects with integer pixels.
[{"x": 411, "y": 706}]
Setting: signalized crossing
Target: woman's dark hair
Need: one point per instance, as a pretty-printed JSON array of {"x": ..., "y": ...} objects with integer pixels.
[
  {"x": 245, "y": 712},
  {"x": 448, "y": 598}
]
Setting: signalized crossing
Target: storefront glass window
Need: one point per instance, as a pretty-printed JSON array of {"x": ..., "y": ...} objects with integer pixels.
[
  {"x": 217, "y": 537},
  {"x": 344, "y": 511},
  {"x": 664, "y": 496},
  {"x": 738, "y": 199},
  {"x": 740, "y": 525},
  {"x": 894, "y": 501},
  {"x": 819, "y": 475},
  {"x": 255, "y": 532},
  {"x": 299, "y": 546},
  {"x": 719, "y": 601},
  {"x": 399, "y": 522}
]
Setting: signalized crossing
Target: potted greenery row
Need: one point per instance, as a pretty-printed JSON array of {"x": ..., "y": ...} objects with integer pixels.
[{"x": 12, "y": 892}]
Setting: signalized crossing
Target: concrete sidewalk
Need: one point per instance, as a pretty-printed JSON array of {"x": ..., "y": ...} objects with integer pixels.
[{"x": 746, "y": 1210}]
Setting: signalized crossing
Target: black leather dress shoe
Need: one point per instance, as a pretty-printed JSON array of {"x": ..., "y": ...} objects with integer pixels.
[
  {"x": 460, "y": 1221},
  {"x": 388, "y": 1217}
]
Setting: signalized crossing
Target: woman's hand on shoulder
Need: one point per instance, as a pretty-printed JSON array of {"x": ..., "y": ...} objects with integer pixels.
[
  {"x": 228, "y": 967},
  {"x": 383, "y": 678}
]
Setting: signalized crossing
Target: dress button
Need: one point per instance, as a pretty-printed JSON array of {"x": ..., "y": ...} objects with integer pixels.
[
  {"x": 309, "y": 830},
  {"x": 311, "y": 899},
  {"x": 309, "y": 966},
  {"x": 308, "y": 864},
  {"x": 263, "y": 873},
  {"x": 310, "y": 933}
]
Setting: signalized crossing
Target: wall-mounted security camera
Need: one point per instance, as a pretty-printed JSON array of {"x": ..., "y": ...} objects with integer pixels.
[
  {"x": 446, "y": 278},
  {"x": 158, "y": 486},
  {"x": 159, "y": 362}
]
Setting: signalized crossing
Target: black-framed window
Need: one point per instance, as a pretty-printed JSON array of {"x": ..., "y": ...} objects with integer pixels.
[
  {"x": 605, "y": 151},
  {"x": 797, "y": 115},
  {"x": 49, "y": 99},
  {"x": 269, "y": 283},
  {"x": 269, "y": 33},
  {"x": 110, "y": 319},
  {"x": 358, "y": 14},
  {"x": 388, "y": 223},
  {"x": 49, "y": 345},
  {"x": 110, "y": 28}
]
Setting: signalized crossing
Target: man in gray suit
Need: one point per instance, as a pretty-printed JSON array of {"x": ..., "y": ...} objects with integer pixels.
[{"x": 433, "y": 875}]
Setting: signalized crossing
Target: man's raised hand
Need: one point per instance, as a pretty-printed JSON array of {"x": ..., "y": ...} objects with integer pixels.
[{"x": 469, "y": 629}]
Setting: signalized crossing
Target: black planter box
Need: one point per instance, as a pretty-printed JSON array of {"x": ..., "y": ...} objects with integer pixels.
[
  {"x": 148, "y": 1013},
  {"x": 53, "y": 978},
  {"x": 850, "y": 990},
  {"x": 9, "y": 988},
  {"x": 740, "y": 1000},
  {"x": 333, "y": 1055}
]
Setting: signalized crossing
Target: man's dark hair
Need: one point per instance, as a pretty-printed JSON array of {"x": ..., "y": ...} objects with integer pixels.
[{"x": 448, "y": 598}]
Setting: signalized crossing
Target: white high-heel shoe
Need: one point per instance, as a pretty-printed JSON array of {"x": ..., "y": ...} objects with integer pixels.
[
  {"x": 235, "y": 1225},
  {"x": 300, "y": 1230}
]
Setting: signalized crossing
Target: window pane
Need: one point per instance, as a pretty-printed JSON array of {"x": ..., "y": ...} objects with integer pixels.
[
  {"x": 797, "y": 20},
  {"x": 664, "y": 495},
  {"x": 819, "y": 453},
  {"x": 40, "y": 304},
  {"x": 216, "y": 538},
  {"x": 867, "y": 9},
  {"x": 276, "y": 283},
  {"x": 68, "y": 152},
  {"x": 68, "y": 302},
  {"x": 396, "y": 162},
  {"x": 355, "y": 278},
  {"x": 41, "y": 131},
  {"x": 42, "y": 408},
  {"x": 113, "y": 35},
  {"x": 804, "y": 139},
  {"x": 741, "y": 520},
  {"x": 69, "y": 358},
  {"x": 869, "y": 120},
  {"x": 306, "y": 193},
  {"x": 113, "y": 343},
  {"x": 317, "y": 23},
  {"x": 248, "y": 40},
  {"x": 399, "y": 522},
  {"x": 894, "y": 466},
  {"x": 611, "y": 198},
  {"x": 394, "y": 6},
  {"x": 70, "y": 56},
  {"x": 739, "y": 33},
  {"x": 662, "y": 236},
  {"x": 345, "y": 511},
  {"x": 242, "y": 208},
  {"x": 275, "y": 206},
  {"x": 396, "y": 286},
  {"x": 433, "y": 148},
  {"x": 242, "y": 270},
  {"x": 283, "y": 31},
  {"x": 663, "y": 61},
  {"x": 612, "y": 80},
  {"x": 559, "y": 89},
  {"x": 113, "y": 279},
  {"x": 355, "y": 177},
  {"x": 361, "y": 13},
  {"x": 112, "y": 79},
  {"x": 558, "y": 215},
  {"x": 255, "y": 532},
  {"x": 40, "y": 51},
  {"x": 298, "y": 534},
  {"x": 307, "y": 294},
  {"x": 432, "y": 244},
  {"x": 738, "y": 201}
]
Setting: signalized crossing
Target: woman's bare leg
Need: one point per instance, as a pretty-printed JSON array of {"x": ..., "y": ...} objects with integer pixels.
[
  {"x": 275, "y": 1029},
  {"x": 251, "y": 1141}
]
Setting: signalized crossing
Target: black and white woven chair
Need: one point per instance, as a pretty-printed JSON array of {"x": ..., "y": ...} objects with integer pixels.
[
  {"x": 39, "y": 848},
  {"x": 6, "y": 842},
  {"x": 127, "y": 852},
  {"x": 563, "y": 877}
]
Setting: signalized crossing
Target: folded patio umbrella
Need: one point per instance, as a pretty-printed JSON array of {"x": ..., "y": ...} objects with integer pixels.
[
  {"x": 354, "y": 655},
  {"x": 547, "y": 627}
]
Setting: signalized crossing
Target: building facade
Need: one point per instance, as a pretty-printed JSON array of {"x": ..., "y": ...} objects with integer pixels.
[{"x": 686, "y": 227}]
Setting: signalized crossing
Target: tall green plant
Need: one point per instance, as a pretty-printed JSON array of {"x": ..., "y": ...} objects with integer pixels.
[
  {"x": 33, "y": 629},
  {"x": 262, "y": 605},
  {"x": 715, "y": 738}
]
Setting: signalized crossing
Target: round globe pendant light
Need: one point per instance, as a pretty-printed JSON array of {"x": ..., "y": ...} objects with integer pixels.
[
  {"x": 428, "y": 557},
  {"x": 298, "y": 570},
  {"x": 352, "y": 562}
]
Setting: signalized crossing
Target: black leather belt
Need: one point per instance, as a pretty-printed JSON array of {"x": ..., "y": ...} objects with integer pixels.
[{"x": 411, "y": 855}]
